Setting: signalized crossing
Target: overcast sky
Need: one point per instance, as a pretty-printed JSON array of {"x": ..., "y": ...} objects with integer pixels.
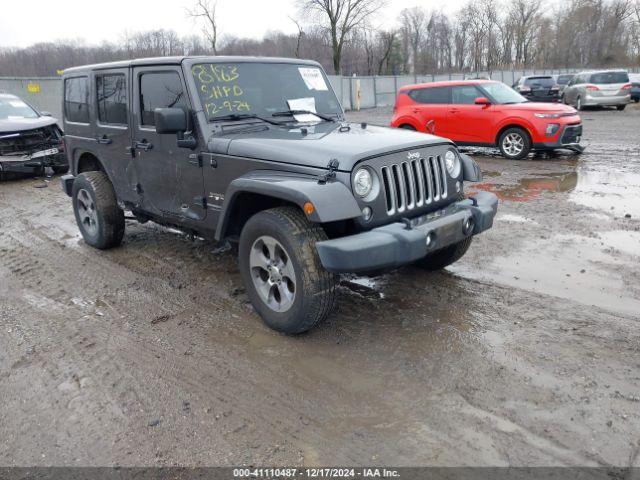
[{"x": 24, "y": 23}]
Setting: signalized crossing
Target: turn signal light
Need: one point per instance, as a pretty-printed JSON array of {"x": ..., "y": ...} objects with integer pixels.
[{"x": 309, "y": 208}]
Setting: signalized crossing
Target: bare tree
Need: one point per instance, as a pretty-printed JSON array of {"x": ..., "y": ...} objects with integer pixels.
[
  {"x": 299, "y": 36},
  {"x": 205, "y": 10},
  {"x": 341, "y": 17},
  {"x": 414, "y": 27}
]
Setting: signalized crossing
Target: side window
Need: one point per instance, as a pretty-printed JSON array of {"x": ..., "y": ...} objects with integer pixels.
[
  {"x": 431, "y": 96},
  {"x": 112, "y": 99},
  {"x": 76, "y": 99},
  {"x": 464, "y": 95},
  {"x": 159, "y": 90}
]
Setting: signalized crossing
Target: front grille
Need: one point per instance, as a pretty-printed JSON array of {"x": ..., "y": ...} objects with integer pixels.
[
  {"x": 413, "y": 184},
  {"x": 28, "y": 141}
]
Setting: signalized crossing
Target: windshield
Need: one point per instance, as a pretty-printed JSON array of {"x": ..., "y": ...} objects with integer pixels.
[
  {"x": 564, "y": 79},
  {"x": 540, "y": 82},
  {"x": 609, "y": 77},
  {"x": 500, "y": 93},
  {"x": 263, "y": 89},
  {"x": 14, "y": 108}
]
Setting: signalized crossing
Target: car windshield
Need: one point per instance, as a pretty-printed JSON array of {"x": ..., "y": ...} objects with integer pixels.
[
  {"x": 564, "y": 79},
  {"x": 540, "y": 82},
  {"x": 263, "y": 89},
  {"x": 502, "y": 94},
  {"x": 609, "y": 78},
  {"x": 14, "y": 108}
]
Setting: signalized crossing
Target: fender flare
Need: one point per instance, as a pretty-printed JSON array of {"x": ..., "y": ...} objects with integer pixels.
[
  {"x": 470, "y": 169},
  {"x": 514, "y": 122},
  {"x": 332, "y": 201}
]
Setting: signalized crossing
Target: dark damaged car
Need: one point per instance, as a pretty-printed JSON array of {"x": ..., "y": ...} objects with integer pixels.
[
  {"x": 257, "y": 152},
  {"x": 30, "y": 140}
]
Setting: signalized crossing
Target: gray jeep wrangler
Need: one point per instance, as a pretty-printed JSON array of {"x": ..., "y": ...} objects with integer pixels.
[{"x": 257, "y": 151}]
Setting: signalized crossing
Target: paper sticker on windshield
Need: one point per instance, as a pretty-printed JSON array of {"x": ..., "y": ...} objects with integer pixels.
[{"x": 313, "y": 78}]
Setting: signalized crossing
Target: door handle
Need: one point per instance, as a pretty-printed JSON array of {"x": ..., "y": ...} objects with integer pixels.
[
  {"x": 454, "y": 110},
  {"x": 142, "y": 145},
  {"x": 415, "y": 110},
  {"x": 104, "y": 140}
]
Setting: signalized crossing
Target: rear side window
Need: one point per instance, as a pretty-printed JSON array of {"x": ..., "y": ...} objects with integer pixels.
[
  {"x": 609, "y": 77},
  {"x": 540, "y": 81},
  {"x": 430, "y": 96},
  {"x": 564, "y": 79},
  {"x": 76, "y": 99},
  {"x": 464, "y": 95},
  {"x": 159, "y": 90},
  {"x": 112, "y": 99}
]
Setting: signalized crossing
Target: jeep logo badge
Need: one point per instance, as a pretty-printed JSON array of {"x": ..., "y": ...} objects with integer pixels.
[{"x": 413, "y": 155}]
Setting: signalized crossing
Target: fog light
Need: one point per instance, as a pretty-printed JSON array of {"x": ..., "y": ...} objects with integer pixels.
[
  {"x": 467, "y": 226},
  {"x": 552, "y": 129},
  {"x": 367, "y": 213}
]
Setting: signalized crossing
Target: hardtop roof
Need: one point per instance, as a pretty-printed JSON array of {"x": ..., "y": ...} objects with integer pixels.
[{"x": 151, "y": 61}]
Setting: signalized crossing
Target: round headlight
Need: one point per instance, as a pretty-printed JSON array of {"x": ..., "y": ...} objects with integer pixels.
[
  {"x": 363, "y": 182},
  {"x": 452, "y": 162}
]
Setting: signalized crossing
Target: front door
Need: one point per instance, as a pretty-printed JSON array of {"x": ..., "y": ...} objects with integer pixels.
[
  {"x": 169, "y": 180},
  {"x": 467, "y": 122}
]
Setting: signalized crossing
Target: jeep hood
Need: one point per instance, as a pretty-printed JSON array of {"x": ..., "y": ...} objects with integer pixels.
[
  {"x": 348, "y": 143},
  {"x": 21, "y": 124}
]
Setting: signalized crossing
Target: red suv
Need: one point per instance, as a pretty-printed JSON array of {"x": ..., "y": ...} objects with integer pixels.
[{"x": 488, "y": 114}]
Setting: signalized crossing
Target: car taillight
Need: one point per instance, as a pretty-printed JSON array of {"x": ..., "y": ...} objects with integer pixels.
[
  {"x": 555, "y": 88},
  {"x": 626, "y": 87},
  {"x": 62, "y": 147},
  {"x": 525, "y": 89},
  {"x": 592, "y": 88}
]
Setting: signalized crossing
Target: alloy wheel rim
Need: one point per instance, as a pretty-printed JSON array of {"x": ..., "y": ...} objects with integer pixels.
[
  {"x": 87, "y": 212},
  {"x": 273, "y": 275},
  {"x": 513, "y": 144}
]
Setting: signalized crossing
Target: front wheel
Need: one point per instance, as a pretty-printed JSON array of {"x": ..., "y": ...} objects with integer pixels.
[
  {"x": 99, "y": 218},
  {"x": 620, "y": 108},
  {"x": 282, "y": 272},
  {"x": 515, "y": 143},
  {"x": 445, "y": 257}
]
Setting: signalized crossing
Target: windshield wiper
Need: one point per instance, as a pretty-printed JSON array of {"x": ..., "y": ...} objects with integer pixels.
[
  {"x": 243, "y": 116},
  {"x": 291, "y": 113}
]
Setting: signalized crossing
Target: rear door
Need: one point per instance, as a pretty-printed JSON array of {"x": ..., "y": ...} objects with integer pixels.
[
  {"x": 466, "y": 121},
  {"x": 170, "y": 181},
  {"x": 431, "y": 107},
  {"x": 112, "y": 130}
]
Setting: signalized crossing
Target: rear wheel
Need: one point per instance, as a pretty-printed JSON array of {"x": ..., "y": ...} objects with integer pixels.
[
  {"x": 407, "y": 127},
  {"x": 579, "y": 105},
  {"x": 285, "y": 280},
  {"x": 620, "y": 108},
  {"x": 445, "y": 257},
  {"x": 514, "y": 143},
  {"x": 99, "y": 218}
]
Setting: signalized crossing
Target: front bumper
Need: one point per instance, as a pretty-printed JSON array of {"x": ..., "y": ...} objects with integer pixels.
[
  {"x": 398, "y": 244},
  {"x": 21, "y": 164},
  {"x": 569, "y": 138}
]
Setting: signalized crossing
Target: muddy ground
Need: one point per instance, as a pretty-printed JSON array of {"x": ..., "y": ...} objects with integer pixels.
[{"x": 527, "y": 352}]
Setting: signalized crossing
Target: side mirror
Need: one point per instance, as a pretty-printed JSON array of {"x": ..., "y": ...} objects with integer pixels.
[
  {"x": 482, "y": 101},
  {"x": 46, "y": 114},
  {"x": 170, "y": 120}
]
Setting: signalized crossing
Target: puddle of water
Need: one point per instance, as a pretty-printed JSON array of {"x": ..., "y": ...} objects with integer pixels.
[
  {"x": 583, "y": 269},
  {"x": 530, "y": 188},
  {"x": 604, "y": 190}
]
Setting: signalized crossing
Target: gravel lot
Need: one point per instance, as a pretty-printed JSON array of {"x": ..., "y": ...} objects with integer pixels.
[{"x": 527, "y": 352}]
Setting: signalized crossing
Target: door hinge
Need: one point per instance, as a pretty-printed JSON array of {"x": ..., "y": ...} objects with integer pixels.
[
  {"x": 333, "y": 166},
  {"x": 202, "y": 201}
]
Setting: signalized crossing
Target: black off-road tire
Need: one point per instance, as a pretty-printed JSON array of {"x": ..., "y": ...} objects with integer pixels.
[
  {"x": 109, "y": 216},
  {"x": 315, "y": 289},
  {"x": 527, "y": 144},
  {"x": 445, "y": 257}
]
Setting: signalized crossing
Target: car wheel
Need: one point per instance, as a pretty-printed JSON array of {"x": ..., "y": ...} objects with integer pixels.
[
  {"x": 579, "y": 105},
  {"x": 99, "y": 218},
  {"x": 515, "y": 143},
  {"x": 445, "y": 257},
  {"x": 620, "y": 108},
  {"x": 407, "y": 127},
  {"x": 283, "y": 275}
]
